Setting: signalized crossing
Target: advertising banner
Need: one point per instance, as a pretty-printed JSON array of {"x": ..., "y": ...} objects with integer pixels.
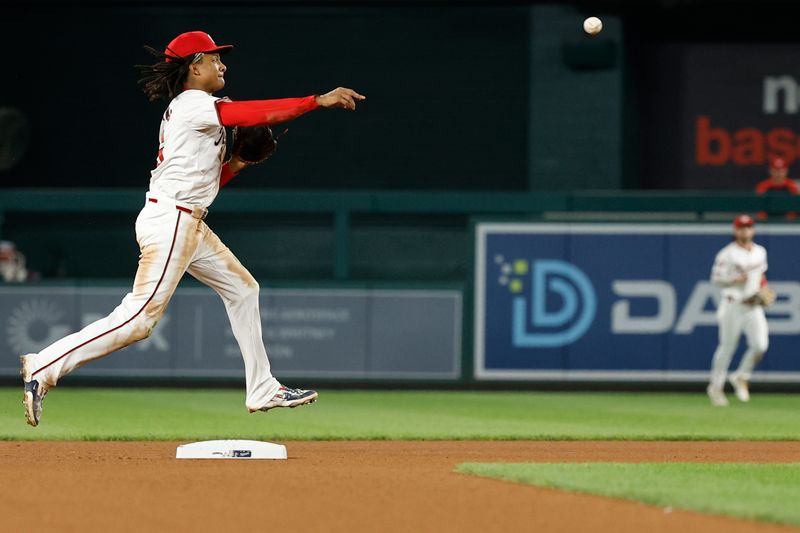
[
  {"x": 353, "y": 333},
  {"x": 740, "y": 108},
  {"x": 618, "y": 302}
]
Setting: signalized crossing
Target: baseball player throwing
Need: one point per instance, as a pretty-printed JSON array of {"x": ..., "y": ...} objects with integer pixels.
[
  {"x": 170, "y": 229},
  {"x": 739, "y": 269}
]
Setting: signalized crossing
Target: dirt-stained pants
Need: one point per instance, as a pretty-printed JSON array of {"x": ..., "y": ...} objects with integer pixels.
[{"x": 172, "y": 240}]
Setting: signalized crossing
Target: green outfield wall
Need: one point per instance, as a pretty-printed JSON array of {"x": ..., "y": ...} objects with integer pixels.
[
  {"x": 410, "y": 242},
  {"x": 330, "y": 235}
]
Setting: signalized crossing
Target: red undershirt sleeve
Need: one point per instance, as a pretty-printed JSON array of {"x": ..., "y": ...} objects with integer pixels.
[
  {"x": 226, "y": 175},
  {"x": 263, "y": 112}
]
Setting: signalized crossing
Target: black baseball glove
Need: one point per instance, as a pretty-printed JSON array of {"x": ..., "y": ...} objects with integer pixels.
[{"x": 253, "y": 144}]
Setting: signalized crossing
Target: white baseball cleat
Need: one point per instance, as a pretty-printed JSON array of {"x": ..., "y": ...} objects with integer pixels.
[
  {"x": 741, "y": 387},
  {"x": 33, "y": 393},
  {"x": 288, "y": 397},
  {"x": 717, "y": 396}
]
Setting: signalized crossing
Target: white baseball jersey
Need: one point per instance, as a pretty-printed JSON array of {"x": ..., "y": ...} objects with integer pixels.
[
  {"x": 191, "y": 150},
  {"x": 731, "y": 262}
]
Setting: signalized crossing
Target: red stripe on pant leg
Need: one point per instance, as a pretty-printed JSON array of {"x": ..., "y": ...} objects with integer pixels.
[{"x": 163, "y": 273}]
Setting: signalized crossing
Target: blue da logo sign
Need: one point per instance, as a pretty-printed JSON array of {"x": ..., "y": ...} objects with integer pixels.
[{"x": 555, "y": 309}]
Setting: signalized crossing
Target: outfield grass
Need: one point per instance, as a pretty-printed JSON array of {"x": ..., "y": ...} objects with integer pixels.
[
  {"x": 767, "y": 492},
  {"x": 164, "y": 414}
]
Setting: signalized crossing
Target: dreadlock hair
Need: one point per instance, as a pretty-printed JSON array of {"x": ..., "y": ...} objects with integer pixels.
[{"x": 165, "y": 79}]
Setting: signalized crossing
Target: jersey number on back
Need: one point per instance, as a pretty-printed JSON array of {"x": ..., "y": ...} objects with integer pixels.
[{"x": 164, "y": 120}]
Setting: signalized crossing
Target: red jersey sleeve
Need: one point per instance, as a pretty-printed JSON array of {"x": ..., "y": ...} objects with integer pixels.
[
  {"x": 763, "y": 186},
  {"x": 226, "y": 175},
  {"x": 263, "y": 112}
]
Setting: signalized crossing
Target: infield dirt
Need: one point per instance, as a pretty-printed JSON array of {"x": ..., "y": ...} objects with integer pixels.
[{"x": 382, "y": 486}]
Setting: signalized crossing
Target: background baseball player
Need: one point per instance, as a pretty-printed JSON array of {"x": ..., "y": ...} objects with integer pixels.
[
  {"x": 739, "y": 268},
  {"x": 780, "y": 183},
  {"x": 170, "y": 229}
]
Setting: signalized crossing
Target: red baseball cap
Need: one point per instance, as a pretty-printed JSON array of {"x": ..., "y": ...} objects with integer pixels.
[
  {"x": 743, "y": 221},
  {"x": 778, "y": 163},
  {"x": 193, "y": 42}
]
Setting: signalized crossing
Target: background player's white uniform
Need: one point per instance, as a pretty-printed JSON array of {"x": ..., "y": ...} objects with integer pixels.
[
  {"x": 733, "y": 315},
  {"x": 173, "y": 239}
]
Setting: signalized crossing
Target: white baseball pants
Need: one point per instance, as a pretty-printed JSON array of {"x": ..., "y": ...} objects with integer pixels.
[
  {"x": 173, "y": 240},
  {"x": 735, "y": 318}
]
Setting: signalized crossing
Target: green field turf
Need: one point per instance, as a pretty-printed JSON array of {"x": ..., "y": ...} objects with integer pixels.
[
  {"x": 767, "y": 492},
  {"x": 165, "y": 414}
]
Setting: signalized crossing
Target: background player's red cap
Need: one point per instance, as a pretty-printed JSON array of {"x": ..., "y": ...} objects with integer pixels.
[
  {"x": 742, "y": 221},
  {"x": 777, "y": 163},
  {"x": 192, "y": 42}
]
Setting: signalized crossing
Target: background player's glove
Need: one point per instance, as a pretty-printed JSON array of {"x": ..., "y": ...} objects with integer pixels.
[
  {"x": 253, "y": 144},
  {"x": 766, "y": 296}
]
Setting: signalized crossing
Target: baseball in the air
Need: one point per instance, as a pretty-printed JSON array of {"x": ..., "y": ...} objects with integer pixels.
[{"x": 592, "y": 25}]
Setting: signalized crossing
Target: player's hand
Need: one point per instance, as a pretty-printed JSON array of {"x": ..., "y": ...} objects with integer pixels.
[
  {"x": 741, "y": 279},
  {"x": 340, "y": 97}
]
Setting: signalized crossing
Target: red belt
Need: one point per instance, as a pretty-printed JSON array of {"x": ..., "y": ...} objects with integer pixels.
[
  {"x": 179, "y": 208},
  {"x": 184, "y": 209}
]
